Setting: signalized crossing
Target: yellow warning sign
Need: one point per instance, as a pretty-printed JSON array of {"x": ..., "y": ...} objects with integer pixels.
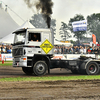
[{"x": 46, "y": 46}]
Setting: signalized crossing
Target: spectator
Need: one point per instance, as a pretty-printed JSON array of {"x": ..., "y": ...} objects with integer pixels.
[
  {"x": 66, "y": 50},
  {"x": 7, "y": 47},
  {"x": 62, "y": 50},
  {"x": 9, "y": 50},
  {"x": 59, "y": 50},
  {"x": 88, "y": 50},
  {"x": 78, "y": 50},
  {"x": 84, "y": 50},
  {"x": 55, "y": 49},
  {"x": 81, "y": 50},
  {"x": 0, "y": 48},
  {"x": 3, "y": 49},
  {"x": 93, "y": 50},
  {"x": 71, "y": 50},
  {"x": 96, "y": 51}
]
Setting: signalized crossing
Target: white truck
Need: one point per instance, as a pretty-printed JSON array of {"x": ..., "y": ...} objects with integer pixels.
[{"x": 35, "y": 57}]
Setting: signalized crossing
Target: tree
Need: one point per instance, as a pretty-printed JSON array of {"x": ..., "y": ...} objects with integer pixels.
[
  {"x": 78, "y": 34},
  {"x": 39, "y": 22},
  {"x": 73, "y": 42},
  {"x": 64, "y": 31},
  {"x": 94, "y": 24},
  {"x": 53, "y": 26}
]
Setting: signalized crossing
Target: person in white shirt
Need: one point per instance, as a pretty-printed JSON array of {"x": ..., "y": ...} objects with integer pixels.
[
  {"x": 84, "y": 50},
  {"x": 81, "y": 50}
]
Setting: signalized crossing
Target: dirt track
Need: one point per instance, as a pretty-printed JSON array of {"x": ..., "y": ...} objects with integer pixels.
[{"x": 47, "y": 90}]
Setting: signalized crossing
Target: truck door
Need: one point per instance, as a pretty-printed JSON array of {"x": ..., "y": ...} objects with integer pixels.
[{"x": 46, "y": 37}]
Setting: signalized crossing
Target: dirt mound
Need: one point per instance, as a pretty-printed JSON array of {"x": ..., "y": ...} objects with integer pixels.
[{"x": 51, "y": 90}]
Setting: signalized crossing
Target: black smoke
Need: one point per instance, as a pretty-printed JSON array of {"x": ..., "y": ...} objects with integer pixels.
[{"x": 46, "y": 9}]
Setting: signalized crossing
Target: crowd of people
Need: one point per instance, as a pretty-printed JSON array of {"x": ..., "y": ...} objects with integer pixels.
[
  {"x": 5, "y": 49},
  {"x": 76, "y": 49}
]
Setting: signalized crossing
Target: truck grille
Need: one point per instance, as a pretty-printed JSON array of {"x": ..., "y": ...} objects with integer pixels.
[{"x": 17, "y": 52}]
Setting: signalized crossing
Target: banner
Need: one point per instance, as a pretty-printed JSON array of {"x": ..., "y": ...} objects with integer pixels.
[
  {"x": 94, "y": 38},
  {"x": 6, "y": 57},
  {"x": 79, "y": 25}
]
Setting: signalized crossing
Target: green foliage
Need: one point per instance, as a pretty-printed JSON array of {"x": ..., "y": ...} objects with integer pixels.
[
  {"x": 64, "y": 31},
  {"x": 73, "y": 42},
  {"x": 77, "y": 17},
  {"x": 53, "y": 26},
  {"x": 94, "y": 24}
]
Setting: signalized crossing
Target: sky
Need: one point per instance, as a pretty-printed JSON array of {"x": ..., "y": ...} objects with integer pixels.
[{"x": 63, "y": 10}]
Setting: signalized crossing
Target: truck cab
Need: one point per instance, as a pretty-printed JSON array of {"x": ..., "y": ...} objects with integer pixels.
[{"x": 27, "y": 48}]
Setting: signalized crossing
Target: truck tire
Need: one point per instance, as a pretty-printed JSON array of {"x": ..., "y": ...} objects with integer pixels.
[
  {"x": 27, "y": 70},
  {"x": 92, "y": 68},
  {"x": 40, "y": 68}
]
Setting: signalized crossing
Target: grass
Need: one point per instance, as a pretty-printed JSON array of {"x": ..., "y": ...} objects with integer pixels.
[
  {"x": 7, "y": 63},
  {"x": 44, "y": 78},
  {"x": 54, "y": 78}
]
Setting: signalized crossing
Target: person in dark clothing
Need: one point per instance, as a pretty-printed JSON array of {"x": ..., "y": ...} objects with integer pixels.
[
  {"x": 9, "y": 50},
  {"x": 35, "y": 38},
  {"x": 74, "y": 50},
  {"x": 93, "y": 50},
  {"x": 96, "y": 51}
]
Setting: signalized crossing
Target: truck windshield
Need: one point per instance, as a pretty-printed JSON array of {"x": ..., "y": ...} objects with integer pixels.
[{"x": 20, "y": 38}]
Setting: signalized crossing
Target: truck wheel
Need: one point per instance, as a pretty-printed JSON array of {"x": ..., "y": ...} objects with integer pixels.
[
  {"x": 92, "y": 68},
  {"x": 27, "y": 70},
  {"x": 40, "y": 68}
]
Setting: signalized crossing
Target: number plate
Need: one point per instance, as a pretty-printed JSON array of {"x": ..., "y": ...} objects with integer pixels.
[{"x": 72, "y": 63}]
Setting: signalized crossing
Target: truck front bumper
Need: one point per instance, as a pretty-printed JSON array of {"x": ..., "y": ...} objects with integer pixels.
[{"x": 20, "y": 62}]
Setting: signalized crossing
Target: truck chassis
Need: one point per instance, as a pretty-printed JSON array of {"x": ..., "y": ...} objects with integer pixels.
[{"x": 39, "y": 64}]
